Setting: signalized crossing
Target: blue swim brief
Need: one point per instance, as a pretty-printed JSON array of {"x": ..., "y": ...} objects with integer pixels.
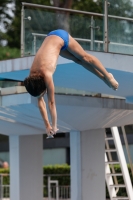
[{"x": 62, "y": 34}]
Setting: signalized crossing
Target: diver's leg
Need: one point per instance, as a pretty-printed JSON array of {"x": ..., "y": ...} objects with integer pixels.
[
  {"x": 68, "y": 55},
  {"x": 90, "y": 61}
]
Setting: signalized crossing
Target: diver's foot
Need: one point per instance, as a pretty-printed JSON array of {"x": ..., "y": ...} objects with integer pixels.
[
  {"x": 112, "y": 82},
  {"x": 106, "y": 82}
]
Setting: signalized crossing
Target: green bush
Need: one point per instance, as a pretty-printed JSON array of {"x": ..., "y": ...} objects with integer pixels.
[
  {"x": 9, "y": 53},
  {"x": 58, "y": 170},
  {"x": 5, "y": 175}
]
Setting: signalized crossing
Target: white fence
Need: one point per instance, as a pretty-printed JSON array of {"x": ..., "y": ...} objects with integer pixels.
[{"x": 52, "y": 191}]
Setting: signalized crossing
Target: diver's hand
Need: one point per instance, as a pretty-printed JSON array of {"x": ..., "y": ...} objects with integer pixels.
[{"x": 49, "y": 132}]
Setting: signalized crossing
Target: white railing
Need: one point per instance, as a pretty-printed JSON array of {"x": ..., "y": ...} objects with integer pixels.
[
  {"x": 52, "y": 191},
  {"x": 64, "y": 193},
  {"x": 4, "y": 189},
  {"x": 35, "y": 35}
]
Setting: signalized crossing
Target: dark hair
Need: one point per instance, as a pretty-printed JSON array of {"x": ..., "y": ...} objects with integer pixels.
[{"x": 35, "y": 85}]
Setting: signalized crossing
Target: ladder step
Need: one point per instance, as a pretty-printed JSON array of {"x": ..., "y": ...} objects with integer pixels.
[
  {"x": 115, "y": 174},
  {"x": 109, "y": 138},
  {"x": 118, "y": 186},
  {"x": 120, "y": 198},
  {"x": 110, "y": 150},
  {"x": 112, "y": 162}
]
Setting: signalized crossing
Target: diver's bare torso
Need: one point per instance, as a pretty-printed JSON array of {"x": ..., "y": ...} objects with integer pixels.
[{"x": 46, "y": 58}]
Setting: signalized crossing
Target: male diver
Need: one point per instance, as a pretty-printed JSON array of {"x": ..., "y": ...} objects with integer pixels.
[{"x": 40, "y": 79}]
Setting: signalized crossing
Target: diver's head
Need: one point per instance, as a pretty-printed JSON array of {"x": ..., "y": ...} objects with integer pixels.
[{"x": 35, "y": 85}]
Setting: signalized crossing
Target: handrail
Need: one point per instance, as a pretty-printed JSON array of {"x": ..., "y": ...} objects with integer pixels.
[
  {"x": 118, "y": 17},
  {"x": 87, "y": 40},
  {"x": 61, "y": 9},
  {"x": 75, "y": 11},
  {"x": 78, "y": 39}
]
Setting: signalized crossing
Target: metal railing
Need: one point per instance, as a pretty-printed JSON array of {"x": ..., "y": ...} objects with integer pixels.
[
  {"x": 56, "y": 9},
  {"x": 64, "y": 192},
  {"x": 51, "y": 190},
  {"x": 106, "y": 43},
  {"x": 4, "y": 189},
  {"x": 35, "y": 35},
  {"x": 76, "y": 11}
]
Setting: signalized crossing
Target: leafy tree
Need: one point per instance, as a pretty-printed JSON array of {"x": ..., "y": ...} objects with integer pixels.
[
  {"x": 88, "y": 5},
  {"x": 123, "y": 33},
  {"x": 13, "y": 30},
  {"x": 63, "y": 20},
  {"x": 5, "y": 17},
  {"x": 8, "y": 53},
  {"x": 122, "y": 8},
  {"x": 12, "y": 27}
]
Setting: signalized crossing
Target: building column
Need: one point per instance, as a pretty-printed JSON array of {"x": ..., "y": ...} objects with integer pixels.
[
  {"x": 87, "y": 159},
  {"x": 75, "y": 161},
  {"x": 26, "y": 172}
]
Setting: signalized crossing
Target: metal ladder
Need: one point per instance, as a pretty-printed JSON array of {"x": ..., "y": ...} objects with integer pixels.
[{"x": 110, "y": 174}]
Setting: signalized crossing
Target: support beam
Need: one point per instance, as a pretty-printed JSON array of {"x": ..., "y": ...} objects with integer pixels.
[
  {"x": 75, "y": 165},
  {"x": 26, "y": 167},
  {"x": 88, "y": 165}
]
